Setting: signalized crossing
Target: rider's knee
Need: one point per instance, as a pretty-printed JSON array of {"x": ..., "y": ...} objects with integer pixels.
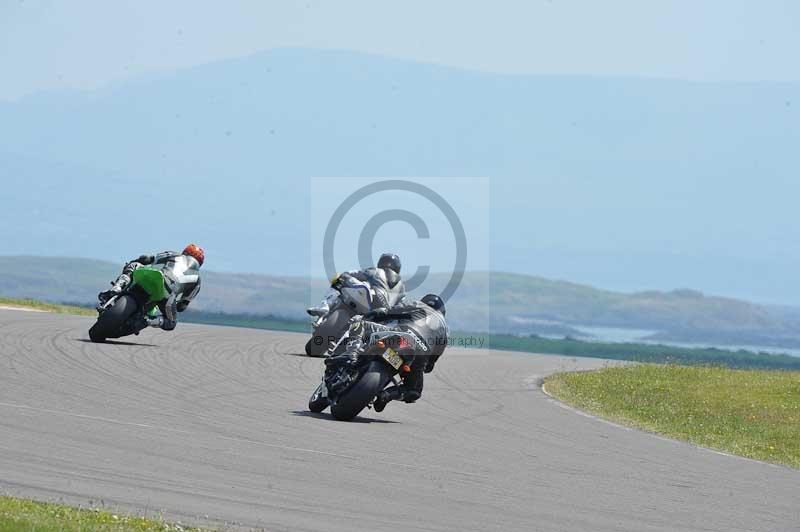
[{"x": 411, "y": 396}]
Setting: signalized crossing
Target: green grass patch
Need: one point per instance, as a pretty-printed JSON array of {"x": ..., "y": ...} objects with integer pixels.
[
  {"x": 658, "y": 354},
  {"x": 20, "y": 515},
  {"x": 47, "y": 307},
  {"x": 750, "y": 413}
]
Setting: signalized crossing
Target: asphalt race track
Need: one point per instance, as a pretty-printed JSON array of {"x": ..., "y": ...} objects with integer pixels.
[{"x": 209, "y": 425}]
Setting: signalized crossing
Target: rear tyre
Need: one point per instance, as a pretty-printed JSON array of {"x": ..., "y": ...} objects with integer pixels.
[
  {"x": 111, "y": 323},
  {"x": 361, "y": 393}
]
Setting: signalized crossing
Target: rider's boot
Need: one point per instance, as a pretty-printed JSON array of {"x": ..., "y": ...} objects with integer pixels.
[
  {"x": 320, "y": 310},
  {"x": 117, "y": 287},
  {"x": 387, "y": 395},
  {"x": 395, "y": 393},
  {"x": 380, "y": 402},
  {"x": 325, "y": 305},
  {"x": 140, "y": 323},
  {"x": 317, "y": 312}
]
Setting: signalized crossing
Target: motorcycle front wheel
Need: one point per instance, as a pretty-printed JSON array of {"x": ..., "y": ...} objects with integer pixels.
[
  {"x": 111, "y": 322},
  {"x": 318, "y": 401}
]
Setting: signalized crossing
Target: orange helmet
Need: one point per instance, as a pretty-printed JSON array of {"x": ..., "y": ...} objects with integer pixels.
[{"x": 193, "y": 250}]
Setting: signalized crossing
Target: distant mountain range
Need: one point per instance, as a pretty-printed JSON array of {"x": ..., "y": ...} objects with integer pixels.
[
  {"x": 495, "y": 302},
  {"x": 615, "y": 182}
]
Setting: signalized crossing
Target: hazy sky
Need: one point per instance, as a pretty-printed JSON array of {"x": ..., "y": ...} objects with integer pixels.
[
  {"x": 708, "y": 172},
  {"x": 82, "y": 44}
]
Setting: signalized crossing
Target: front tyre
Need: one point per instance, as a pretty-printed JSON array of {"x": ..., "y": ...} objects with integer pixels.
[
  {"x": 111, "y": 323},
  {"x": 319, "y": 400},
  {"x": 315, "y": 347},
  {"x": 356, "y": 399}
]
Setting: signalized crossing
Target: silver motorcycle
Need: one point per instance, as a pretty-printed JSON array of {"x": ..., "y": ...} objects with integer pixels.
[{"x": 355, "y": 298}]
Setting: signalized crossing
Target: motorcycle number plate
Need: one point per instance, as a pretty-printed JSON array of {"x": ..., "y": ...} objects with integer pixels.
[{"x": 394, "y": 360}]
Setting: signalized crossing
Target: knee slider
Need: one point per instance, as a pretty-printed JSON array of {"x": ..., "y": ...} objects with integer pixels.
[{"x": 411, "y": 396}]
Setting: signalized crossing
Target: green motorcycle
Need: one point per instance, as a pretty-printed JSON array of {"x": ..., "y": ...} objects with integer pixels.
[{"x": 127, "y": 312}]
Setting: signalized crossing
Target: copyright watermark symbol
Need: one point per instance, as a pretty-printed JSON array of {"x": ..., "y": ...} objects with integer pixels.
[
  {"x": 438, "y": 226},
  {"x": 370, "y": 229}
]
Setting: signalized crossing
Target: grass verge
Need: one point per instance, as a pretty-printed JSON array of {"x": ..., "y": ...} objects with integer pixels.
[
  {"x": 749, "y": 413},
  {"x": 47, "y": 307},
  {"x": 21, "y": 515},
  {"x": 648, "y": 353}
]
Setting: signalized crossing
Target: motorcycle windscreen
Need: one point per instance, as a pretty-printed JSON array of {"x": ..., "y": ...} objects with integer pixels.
[{"x": 152, "y": 282}]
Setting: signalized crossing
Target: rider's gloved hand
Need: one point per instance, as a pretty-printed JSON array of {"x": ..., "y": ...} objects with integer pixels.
[{"x": 343, "y": 279}]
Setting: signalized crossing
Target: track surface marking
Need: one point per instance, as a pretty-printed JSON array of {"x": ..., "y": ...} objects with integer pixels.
[{"x": 209, "y": 425}]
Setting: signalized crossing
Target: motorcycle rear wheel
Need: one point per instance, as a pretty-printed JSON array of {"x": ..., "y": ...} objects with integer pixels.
[{"x": 356, "y": 399}]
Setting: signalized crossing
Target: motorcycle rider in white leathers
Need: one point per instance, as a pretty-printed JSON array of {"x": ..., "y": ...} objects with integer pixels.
[
  {"x": 388, "y": 288},
  {"x": 181, "y": 290}
]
